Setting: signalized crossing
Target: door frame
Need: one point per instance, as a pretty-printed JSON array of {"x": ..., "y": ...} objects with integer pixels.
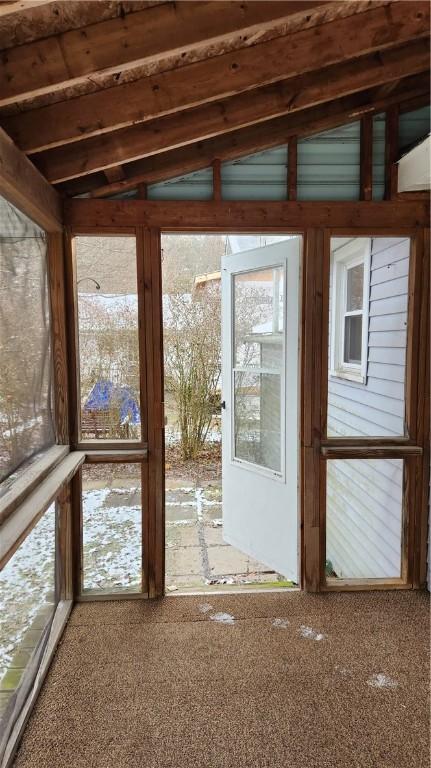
[{"x": 315, "y": 222}]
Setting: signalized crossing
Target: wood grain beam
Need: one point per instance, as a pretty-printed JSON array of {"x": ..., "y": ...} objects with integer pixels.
[
  {"x": 17, "y": 6},
  {"x": 168, "y": 132},
  {"x": 114, "y": 173},
  {"x": 366, "y": 169},
  {"x": 23, "y": 185},
  {"x": 219, "y": 77},
  {"x": 248, "y": 140},
  {"x": 391, "y": 152},
  {"x": 211, "y": 216},
  {"x": 134, "y": 39},
  {"x": 292, "y": 168}
]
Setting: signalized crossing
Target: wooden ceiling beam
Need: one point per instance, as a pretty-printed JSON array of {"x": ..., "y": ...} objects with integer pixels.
[
  {"x": 8, "y": 7},
  {"x": 25, "y": 187},
  {"x": 115, "y": 173},
  {"x": 131, "y": 40},
  {"x": 212, "y": 216},
  {"x": 221, "y": 76},
  {"x": 248, "y": 140},
  {"x": 169, "y": 132}
]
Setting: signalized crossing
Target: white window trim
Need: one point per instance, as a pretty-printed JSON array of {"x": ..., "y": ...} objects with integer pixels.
[{"x": 357, "y": 251}]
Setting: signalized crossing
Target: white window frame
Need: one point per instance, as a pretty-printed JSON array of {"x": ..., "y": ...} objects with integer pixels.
[{"x": 353, "y": 253}]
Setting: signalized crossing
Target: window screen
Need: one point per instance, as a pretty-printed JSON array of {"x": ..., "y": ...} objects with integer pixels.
[{"x": 26, "y": 424}]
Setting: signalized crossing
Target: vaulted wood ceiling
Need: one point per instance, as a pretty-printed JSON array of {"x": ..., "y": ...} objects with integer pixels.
[{"x": 105, "y": 95}]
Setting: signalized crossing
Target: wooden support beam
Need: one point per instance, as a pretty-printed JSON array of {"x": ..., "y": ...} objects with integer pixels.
[
  {"x": 115, "y": 173},
  {"x": 248, "y": 140},
  {"x": 23, "y": 185},
  {"x": 58, "y": 335},
  {"x": 366, "y": 169},
  {"x": 133, "y": 39},
  {"x": 292, "y": 168},
  {"x": 161, "y": 134},
  {"x": 219, "y": 77},
  {"x": 149, "y": 244},
  {"x": 17, "y": 6},
  {"x": 142, "y": 191},
  {"x": 216, "y": 166},
  {"x": 391, "y": 151},
  {"x": 84, "y": 214}
]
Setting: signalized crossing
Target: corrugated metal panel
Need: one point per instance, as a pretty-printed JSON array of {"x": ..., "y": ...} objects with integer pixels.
[
  {"x": 379, "y": 123},
  {"x": 329, "y": 164},
  {"x": 262, "y": 176},
  {"x": 413, "y": 126},
  {"x": 193, "y": 186}
]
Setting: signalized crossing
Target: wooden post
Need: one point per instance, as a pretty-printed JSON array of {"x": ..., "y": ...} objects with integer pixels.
[
  {"x": 391, "y": 152},
  {"x": 142, "y": 191},
  {"x": 292, "y": 168},
  {"x": 311, "y": 406},
  {"x": 58, "y": 336},
  {"x": 216, "y": 165},
  {"x": 155, "y": 474},
  {"x": 366, "y": 170}
]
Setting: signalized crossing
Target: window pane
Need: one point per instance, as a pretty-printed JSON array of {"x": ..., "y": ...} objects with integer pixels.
[
  {"x": 26, "y": 425},
  {"x": 355, "y": 287},
  {"x": 257, "y": 419},
  {"x": 108, "y": 337},
  {"x": 258, "y": 307},
  {"x": 364, "y": 510},
  {"x": 27, "y": 602},
  {"x": 373, "y": 405},
  {"x": 352, "y": 339},
  {"x": 112, "y": 527}
]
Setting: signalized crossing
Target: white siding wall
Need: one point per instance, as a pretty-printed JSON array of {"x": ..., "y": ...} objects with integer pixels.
[{"x": 364, "y": 497}]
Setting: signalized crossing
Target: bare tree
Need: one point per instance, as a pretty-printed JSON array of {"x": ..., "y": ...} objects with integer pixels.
[{"x": 193, "y": 363}]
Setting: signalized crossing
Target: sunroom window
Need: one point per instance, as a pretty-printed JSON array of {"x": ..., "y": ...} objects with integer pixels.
[{"x": 350, "y": 275}]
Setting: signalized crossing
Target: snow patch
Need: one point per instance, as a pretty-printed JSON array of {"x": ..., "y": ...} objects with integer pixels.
[
  {"x": 310, "y": 633},
  {"x": 223, "y": 618},
  {"x": 381, "y": 681},
  {"x": 204, "y": 607},
  {"x": 280, "y": 623}
]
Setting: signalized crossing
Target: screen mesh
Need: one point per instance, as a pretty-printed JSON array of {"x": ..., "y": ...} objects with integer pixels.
[{"x": 26, "y": 423}]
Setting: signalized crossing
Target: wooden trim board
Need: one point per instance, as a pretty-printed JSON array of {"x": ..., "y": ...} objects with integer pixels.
[{"x": 19, "y": 524}]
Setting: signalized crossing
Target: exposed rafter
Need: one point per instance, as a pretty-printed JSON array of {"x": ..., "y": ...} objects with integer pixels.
[
  {"x": 129, "y": 41},
  {"x": 26, "y": 188},
  {"x": 221, "y": 76},
  {"x": 169, "y": 132},
  {"x": 245, "y": 141}
]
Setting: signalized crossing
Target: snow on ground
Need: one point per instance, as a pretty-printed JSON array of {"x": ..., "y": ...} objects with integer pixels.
[
  {"x": 112, "y": 535},
  {"x": 26, "y": 586}
]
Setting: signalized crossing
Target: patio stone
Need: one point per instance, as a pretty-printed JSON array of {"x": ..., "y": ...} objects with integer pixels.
[
  {"x": 182, "y": 535},
  {"x": 175, "y": 514},
  {"x": 230, "y": 561},
  {"x": 184, "y": 561}
]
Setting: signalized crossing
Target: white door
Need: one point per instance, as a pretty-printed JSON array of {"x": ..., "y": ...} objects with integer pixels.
[{"x": 260, "y": 428}]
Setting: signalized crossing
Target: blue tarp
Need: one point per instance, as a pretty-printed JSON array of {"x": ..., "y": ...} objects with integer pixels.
[{"x": 105, "y": 394}]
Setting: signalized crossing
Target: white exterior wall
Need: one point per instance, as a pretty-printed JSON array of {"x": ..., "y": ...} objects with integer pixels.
[{"x": 364, "y": 497}]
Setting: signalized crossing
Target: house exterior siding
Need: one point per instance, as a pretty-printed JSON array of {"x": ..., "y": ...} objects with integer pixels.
[{"x": 364, "y": 505}]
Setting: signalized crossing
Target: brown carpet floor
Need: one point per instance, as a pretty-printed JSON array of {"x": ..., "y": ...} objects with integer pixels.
[{"x": 296, "y": 681}]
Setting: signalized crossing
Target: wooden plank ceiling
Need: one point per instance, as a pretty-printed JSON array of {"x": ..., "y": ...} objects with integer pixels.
[{"x": 105, "y": 96}]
